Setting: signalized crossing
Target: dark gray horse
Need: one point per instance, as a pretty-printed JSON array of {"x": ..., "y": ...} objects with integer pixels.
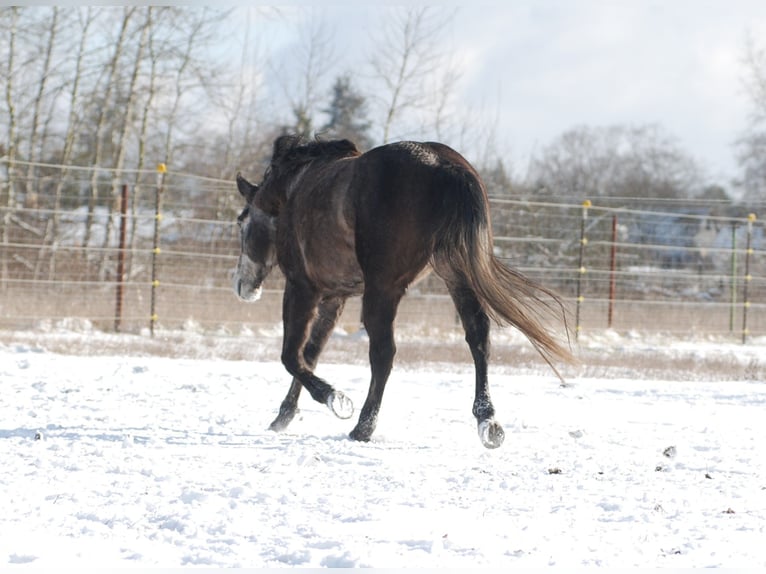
[{"x": 342, "y": 223}]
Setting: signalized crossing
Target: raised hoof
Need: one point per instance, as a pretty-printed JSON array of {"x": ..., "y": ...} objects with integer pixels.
[
  {"x": 340, "y": 405},
  {"x": 491, "y": 433}
]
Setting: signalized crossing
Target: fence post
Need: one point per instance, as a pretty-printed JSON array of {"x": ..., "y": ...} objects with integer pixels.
[
  {"x": 748, "y": 252},
  {"x": 612, "y": 270},
  {"x": 733, "y": 286},
  {"x": 161, "y": 171},
  {"x": 121, "y": 259},
  {"x": 581, "y": 270}
]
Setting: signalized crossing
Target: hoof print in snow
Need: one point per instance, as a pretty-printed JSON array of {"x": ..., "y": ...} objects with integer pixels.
[
  {"x": 671, "y": 552},
  {"x": 669, "y": 452}
]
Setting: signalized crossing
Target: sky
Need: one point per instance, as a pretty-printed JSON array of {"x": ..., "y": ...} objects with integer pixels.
[
  {"x": 675, "y": 63},
  {"x": 541, "y": 68}
]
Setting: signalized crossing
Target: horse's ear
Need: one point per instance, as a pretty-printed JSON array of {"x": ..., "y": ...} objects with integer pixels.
[{"x": 247, "y": 189}]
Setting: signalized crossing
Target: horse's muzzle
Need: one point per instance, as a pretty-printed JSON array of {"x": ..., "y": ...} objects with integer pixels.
[{"x": 246, "y": 292}]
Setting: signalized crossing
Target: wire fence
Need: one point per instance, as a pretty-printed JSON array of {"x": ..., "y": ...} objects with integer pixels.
[{"x": 153, "y": 251}]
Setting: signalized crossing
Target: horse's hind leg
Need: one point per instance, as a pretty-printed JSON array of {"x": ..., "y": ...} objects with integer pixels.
[
  {"x": 378, "y": 312},
  {"x": 329, "y": 311},
  {"x": 476, "y": 325}
]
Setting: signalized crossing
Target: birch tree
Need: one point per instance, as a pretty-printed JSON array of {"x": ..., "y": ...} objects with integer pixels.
[
  {"x": 10, "y": 29},
  {"x": 49, "y": 33},
  {"x": 128, "y": 104},
  {"x": 104, "y": 108},
  {"x": 81, "y": 29}
]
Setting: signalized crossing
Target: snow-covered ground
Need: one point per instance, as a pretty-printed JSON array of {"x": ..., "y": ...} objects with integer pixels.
[{"x": 120, "y": 457}]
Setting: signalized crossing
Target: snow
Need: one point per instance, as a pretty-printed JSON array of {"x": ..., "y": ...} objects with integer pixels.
[{"x": 117, "y": 456}]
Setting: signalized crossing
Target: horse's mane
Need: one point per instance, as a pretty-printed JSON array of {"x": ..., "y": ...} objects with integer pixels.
[{"x": 295, "y": 149}]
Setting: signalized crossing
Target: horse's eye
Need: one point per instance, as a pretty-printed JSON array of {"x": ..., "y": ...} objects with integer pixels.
[{"x": 242, "y": 217}]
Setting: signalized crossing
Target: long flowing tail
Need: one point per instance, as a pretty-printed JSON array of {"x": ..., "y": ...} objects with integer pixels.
[{"x": 507, "y": 296}]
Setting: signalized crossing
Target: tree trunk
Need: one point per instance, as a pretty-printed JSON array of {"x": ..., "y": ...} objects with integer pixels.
[
  {"x": 10, "y": 202},
  {"x": 114, "y": 65},
  {"x": 33, "y": 148},
  {"x": 119, "y": 164},
  {"x": 143, "y": 132},
  {"x": 69, "y": 142}
]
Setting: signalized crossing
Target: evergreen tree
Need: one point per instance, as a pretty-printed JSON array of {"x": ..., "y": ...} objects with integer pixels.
[{"x": 348, "y": 114}]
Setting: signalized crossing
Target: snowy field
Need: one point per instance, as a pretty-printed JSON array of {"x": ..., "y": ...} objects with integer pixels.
[{"x": 116, "y": 456}]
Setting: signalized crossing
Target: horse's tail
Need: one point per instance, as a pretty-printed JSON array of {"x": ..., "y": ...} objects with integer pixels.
[{"x": 507, "y": 296}]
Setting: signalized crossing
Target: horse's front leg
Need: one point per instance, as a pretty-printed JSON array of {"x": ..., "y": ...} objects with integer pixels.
[
  {"x": 328, "y": 313},
  {"x": 476, "y": 325},
  {"x": 299, "y": 309}
]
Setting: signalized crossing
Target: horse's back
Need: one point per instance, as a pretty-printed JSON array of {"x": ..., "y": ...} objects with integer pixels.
[{"x": 406, "y": 194}]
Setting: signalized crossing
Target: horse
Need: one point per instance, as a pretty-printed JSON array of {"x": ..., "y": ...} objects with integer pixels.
[{"x": 341, "y": 223}]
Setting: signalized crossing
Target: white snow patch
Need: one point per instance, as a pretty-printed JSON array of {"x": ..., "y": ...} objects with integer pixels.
[{"x": 139, "y": 461}]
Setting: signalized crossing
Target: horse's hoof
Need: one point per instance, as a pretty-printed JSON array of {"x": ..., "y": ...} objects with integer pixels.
[
  {"x": 284, "y": 418},
  {"x": 340, "y": 405},
  {"x": 360, "y": 435},
  {"x": 491, "y": 433},
  {"x": 279, "y": 424}
]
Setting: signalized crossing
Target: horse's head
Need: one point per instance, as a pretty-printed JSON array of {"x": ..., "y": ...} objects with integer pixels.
[{"x": 258, "y": 253}]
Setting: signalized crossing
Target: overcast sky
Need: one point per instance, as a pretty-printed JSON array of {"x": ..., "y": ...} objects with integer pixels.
[
  {"x": 545, "y": 66},
  {"x": 597, "y": 62}
]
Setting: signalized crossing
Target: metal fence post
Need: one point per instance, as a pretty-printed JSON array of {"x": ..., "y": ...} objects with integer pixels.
[
  {"x": 733, "y": 284},
  {"x": 120, "y": 298},
  {"x": 612, "y": 271},
  {"x": 581, "y": 271},
  {"x": 161, "y": 171},
  {"x": 748, "y": 278}
]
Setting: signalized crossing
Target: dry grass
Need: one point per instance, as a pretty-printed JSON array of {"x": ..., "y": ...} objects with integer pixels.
[{"x": 430, "y": 347}]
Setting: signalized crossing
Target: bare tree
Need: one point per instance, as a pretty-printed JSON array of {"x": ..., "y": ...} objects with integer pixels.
[
  {"x": 751, "y": 146},
  {"x": 82, "y": 31},
  {"x": 443, "y": 114},
  {"x": 406, "y": 54},
  {"x": 190, "y": 74},
  {"x": 240, "y": 101},
  {"x": 304, "y": 76},
  {"x": 150, "y": 91},
  {"x": 625, "y": 163},
  {"x": 9, "y": 72},
  {"x": 103, "y": 116},
  {"x": 129, "y": 107},
  {"x": 49, "y": 32}
]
